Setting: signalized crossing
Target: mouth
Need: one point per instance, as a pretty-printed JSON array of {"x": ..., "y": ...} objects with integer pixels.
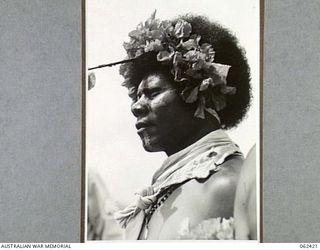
[{"x": 142, "y": 125}]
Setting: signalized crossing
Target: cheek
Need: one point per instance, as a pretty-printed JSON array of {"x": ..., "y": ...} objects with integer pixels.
[
  {"x": 172, "y": 115},
  {"x": 169, "y": 101},
  {"x": 164, "y": 110},
  {"x": 163, "y": 100}
]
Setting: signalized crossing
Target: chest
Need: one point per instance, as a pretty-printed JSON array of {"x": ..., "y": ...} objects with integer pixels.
[{"x": 188, "y": 202}]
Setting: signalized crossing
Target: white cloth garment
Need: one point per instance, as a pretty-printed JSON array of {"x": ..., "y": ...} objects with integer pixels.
[{"x": 197, "y": 161}]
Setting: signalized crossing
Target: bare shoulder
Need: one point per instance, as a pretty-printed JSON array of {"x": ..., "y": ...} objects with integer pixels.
[
  {"x": 226, "y": 179},
  {"x": 219, "y": 189}
]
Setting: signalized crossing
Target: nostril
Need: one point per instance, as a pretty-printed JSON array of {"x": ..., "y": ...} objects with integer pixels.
[
  {"x": 134, "y": 108},
  {"x": 138, "y": 108}
]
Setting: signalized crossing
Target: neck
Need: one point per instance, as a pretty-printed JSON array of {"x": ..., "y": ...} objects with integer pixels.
[{"x": 190, "y": 138}]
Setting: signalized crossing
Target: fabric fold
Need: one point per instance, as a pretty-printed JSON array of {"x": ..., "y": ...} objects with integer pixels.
[{"x": 197, "y": 161}]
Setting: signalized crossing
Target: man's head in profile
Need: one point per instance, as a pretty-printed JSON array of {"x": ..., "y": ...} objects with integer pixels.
[{"x": 186, "y": 85}]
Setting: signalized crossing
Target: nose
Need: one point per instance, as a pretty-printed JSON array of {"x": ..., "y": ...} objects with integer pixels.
[{"x": 139, "y": 107}]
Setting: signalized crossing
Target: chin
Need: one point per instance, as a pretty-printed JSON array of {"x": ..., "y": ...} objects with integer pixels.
[{"x": 150, "y": 146}]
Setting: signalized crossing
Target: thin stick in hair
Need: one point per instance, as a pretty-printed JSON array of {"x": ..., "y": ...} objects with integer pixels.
[{"x": 112, "y": 64}]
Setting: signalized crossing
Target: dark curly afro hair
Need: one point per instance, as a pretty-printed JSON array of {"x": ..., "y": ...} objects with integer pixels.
[{"x": 227, "y": 51}]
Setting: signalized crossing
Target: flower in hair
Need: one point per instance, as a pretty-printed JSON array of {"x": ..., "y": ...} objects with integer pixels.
[{"x": 192, "y": 63}]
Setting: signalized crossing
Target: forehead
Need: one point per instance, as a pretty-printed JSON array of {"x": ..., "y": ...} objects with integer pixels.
[{"x": 154, "y": 81}]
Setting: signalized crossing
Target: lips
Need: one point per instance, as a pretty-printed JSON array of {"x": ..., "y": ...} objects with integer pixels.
[{"x": 142, "y": 125}]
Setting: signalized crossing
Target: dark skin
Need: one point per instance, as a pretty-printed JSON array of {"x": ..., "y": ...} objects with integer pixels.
[{"x": 164, "y": 121}]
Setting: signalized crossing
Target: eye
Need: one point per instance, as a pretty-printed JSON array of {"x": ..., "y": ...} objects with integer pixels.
[
  {"x": 151, "y": 93},
  {"x": 154, "y": 94}
]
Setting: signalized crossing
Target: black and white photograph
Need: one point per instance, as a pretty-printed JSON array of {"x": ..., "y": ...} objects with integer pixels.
[
  {"x": 184, "y": 121},
  {"x": 172, "y": 120},
  {"x": 160, "y": 121}
]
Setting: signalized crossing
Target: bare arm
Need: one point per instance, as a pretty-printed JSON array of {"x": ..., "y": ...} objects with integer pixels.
[{"x": 245, "y": 201}]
